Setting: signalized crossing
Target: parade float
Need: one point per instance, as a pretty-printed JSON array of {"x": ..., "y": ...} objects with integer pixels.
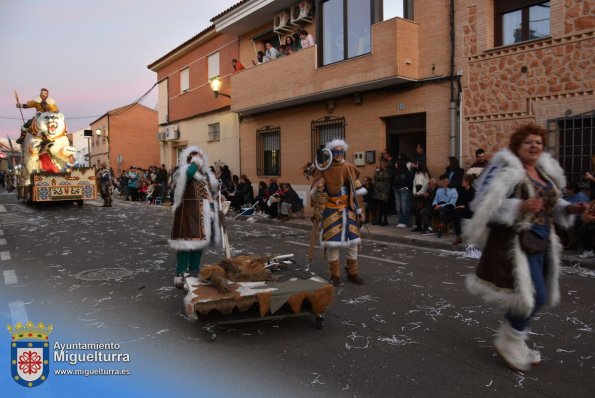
[
  {"x": 255, "y": 288},
  {"x": 48, "y": 172},
  {"x": 251, "y": 288}
]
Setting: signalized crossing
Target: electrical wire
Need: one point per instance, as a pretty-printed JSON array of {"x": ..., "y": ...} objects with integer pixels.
[
  {"x": 70, "y": 118},
  {"x": 118, "y": 111}
]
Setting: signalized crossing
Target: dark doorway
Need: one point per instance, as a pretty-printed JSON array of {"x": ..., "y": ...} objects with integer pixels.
[{"x": 403, "y": 133}]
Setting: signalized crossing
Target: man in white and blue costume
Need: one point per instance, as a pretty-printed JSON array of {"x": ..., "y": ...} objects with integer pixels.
[{"x": 343, "y": 211}]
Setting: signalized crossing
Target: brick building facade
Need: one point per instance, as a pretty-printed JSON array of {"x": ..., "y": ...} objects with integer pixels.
[
  {"x": 509, "y": 62},
  {"x": 189, "y": 113},
  {"x": 549, "y": 79},
  {"x": 126, "y": 133}
]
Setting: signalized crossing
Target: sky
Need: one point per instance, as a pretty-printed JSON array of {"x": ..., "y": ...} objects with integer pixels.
[{"x": 92, "y": 55}]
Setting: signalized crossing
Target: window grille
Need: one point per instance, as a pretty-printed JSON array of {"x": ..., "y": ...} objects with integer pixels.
[
  {"x": 572, "y": 139},
  {"x": 325, "y": 130}
]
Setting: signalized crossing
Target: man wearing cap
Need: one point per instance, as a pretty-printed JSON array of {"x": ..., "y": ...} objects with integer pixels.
[{"x": 343, "y": 211}]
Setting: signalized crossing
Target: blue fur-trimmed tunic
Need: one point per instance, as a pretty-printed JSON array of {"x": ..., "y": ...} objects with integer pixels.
[{"x": 339, "y": 226}]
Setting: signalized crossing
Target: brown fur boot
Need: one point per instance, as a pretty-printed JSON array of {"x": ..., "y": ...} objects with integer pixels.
[
  {"x": 335, "y": 272},
  {"x": 352, "y": 272}
]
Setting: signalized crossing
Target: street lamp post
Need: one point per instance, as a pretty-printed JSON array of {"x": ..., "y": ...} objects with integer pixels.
[
  {"x": 216, "y": 87},
  {"x": 88, "y": 134},
  {"x": 88, "y": 151},
  {"x": 105, "y": 134}
]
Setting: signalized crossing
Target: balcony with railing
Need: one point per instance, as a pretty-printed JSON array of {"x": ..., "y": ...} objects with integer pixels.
[{"x": 297, "y": 79}]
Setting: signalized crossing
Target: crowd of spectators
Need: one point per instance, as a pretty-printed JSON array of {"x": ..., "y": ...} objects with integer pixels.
[
  {"x": 154, "y": 185},
  {"x": 405, "y": 188},
  {"x": 144, "y": 185},
  {"x": 400, "y": 186}
]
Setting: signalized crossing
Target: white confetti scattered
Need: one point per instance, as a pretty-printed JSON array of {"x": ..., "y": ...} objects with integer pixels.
[
  {"x": 578, "y": 271},
  {"x": 316, "y": 378},
  {"x": 415, "y": 325},
  {"x": 562, "y": 350},
  {"x": 165, "y": 289},
  {"x": 378, "y": 318},
  {"x": 397, "y": 340},
  {"x": 359, "y": 342},
  {"x": 467, "y": 321},
  {"x": 491, "y": 381},
  {"x": 97, "y": 302},
  {"x": 360, "y": 299}
]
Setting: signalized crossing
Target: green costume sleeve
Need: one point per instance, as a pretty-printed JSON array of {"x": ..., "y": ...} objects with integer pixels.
[{"x": 193, "y": 168}]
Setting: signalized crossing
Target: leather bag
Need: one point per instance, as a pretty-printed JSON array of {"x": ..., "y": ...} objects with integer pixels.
[{"x": 531, "y": 243}]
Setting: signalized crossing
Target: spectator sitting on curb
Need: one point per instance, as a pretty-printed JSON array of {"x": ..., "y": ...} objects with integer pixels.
[
  {"x": 289, "y": 201},
  {"x": 587, "y": 231}
]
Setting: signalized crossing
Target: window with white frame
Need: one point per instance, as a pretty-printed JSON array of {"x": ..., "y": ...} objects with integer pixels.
[
  {"x": 214, "y": 132},
  {"x": 184, "y": 80},
  {"x": 213, "y": 65}
]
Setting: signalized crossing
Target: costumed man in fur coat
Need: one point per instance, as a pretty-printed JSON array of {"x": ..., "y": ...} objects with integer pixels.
[
  {"x": 196, "y": 212},
  {"x": 343, "y": 211},
  {"x": 517, "y": 202}
]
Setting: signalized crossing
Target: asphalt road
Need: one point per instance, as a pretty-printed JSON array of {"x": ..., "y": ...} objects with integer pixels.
[{"x": 410, "y": 331}]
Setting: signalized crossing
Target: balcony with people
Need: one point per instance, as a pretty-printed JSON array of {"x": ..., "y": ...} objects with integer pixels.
[{"x": 367, "y": 57}]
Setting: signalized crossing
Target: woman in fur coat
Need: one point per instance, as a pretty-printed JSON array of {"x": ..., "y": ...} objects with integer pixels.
[
  {"x": 196, "y": 212},
  {"x": 517, "y": 202}
]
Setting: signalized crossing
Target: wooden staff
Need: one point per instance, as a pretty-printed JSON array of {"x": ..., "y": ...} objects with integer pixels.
[{"x": 16, "y": 96}]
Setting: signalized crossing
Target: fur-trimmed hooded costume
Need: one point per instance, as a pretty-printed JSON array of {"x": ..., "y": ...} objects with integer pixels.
[
  {"x": 49, "y": 105},
  {"x": 195, "y": 207},
  {"x": 503, "y": 276},
  {"x": 340, "y": 226}
]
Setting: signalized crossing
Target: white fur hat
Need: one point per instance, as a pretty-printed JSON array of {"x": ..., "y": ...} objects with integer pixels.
[
  {"x": 336, "y": 143},
  {"x": 186, "y": 152}
]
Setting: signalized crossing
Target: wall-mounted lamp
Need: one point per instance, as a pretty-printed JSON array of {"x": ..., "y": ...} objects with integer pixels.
[
  {"x": 358, "y": 99},
  {"x": 330, "y": 106},
  {"x": 216, "y": 86},
  {"x": 101, "y": 132}
]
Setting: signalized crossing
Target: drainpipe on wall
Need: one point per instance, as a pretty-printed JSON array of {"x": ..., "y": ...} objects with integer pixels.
[
  {"x": 460, "y": 117},
  {"x": 453, "y": 105}
]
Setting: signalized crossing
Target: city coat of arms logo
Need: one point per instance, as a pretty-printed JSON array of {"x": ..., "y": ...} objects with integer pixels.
[{"x": 30, "y": 353}]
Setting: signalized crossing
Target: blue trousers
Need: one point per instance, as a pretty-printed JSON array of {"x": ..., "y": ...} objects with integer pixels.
[
  {"x": 187, "y": 260},
  {"x": 536, "y": 268},
  {"x": 403, "y": 205}
]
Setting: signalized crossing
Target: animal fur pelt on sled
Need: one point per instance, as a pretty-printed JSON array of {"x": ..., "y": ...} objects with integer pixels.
[{"x": 236, "y": 269}]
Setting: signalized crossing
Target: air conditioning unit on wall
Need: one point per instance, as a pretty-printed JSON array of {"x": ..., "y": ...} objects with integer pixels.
[
  {"x": 302, "y": 12},
  {"x": 281, "y": 22},
  {"x": 161, "y": 136},
  {"x": 172, "y": 133}
]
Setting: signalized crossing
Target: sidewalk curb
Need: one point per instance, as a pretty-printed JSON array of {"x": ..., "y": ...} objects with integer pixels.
[{"x": 411, "y": 238}]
